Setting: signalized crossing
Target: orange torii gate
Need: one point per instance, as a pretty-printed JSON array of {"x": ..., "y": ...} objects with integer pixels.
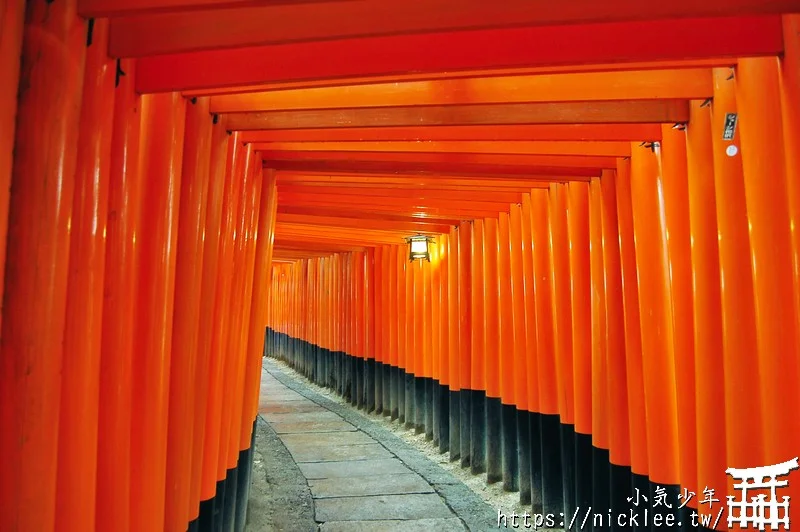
[{"x": 611, "y": 188}]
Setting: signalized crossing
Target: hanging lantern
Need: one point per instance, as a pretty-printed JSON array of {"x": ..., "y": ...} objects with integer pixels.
[{"x": 418, "y": 248}]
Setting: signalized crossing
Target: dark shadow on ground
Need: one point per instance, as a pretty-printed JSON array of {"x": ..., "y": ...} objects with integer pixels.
[{"x": 280, "y": 499}]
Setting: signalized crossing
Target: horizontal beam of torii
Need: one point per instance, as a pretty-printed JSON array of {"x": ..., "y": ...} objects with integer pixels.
[{"x": 525, "y": 47}]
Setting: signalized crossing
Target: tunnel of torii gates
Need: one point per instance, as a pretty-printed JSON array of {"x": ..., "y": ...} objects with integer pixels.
[{"x": 612, "y": 297}]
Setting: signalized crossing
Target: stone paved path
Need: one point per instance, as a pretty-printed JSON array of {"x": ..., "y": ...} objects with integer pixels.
[{"x": 361, "y": 476}]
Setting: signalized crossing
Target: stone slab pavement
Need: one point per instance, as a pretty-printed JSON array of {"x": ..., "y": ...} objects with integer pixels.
[{"x": 360, "y": 475}]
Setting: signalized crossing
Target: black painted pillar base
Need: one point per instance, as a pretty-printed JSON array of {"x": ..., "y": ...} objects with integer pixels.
[
  {"x": 319, "y": 371},
  {"x": 320, "y": 377},
  {"x": 393, "y": 373},
  {"x": 317, "y": 364},
  {"x": 323, "y": 367},
  {"x": 377, "y": 392},
  {"x": 400, "y": 385},
  {"x": 353, "y": 397},
  {"x": 428, "y": 382},
  {"x": 370, "y": 384},
  {"x": 311, "y": 350},
  {"x": 334, "y": 372},
  {"x": 378, "y": 384},
  {"x": 245, "y": 467},
  {"x": 229, "y": 509},
  {"x": 324, "y": 376},
  {"x": 443, "y": 398},
  {"x": 328, "y": 368},
  {"x": 386, "y": 391},
  {"x": 510, "y": 453},
  {"x": 332, "y": 375},
  {"x": 477, "y": 444},
  {"x": 379, "y": 388},
  {"x": 319, "y": 368},
  {"x": 211, "y": 510},
  {"x": 454, "y": 397},
  {"x": 601, "y": 480},
  {"x": 552, "y": 479},
  {"x": 351, "y": 379},
  {"x": 642, "y": 484},
  {"x": 308, "y": 357},
  {"x": 583, "y": 470},
  {"x": 219, "y": 505},
  {"x": 436, "y": 411},
  {"x": 466, "y": 426},
  {"x": 410, "y": 401},
  {"x": 361, "y": 388},
  {"x": 568, "y": 476},
  {"x": 420, "y": 408},
  {"x": 345, "y": 378},
  {"x": 302, "y": 357},
  {"x": 524, "y": 446},
  {"x": 494, "y": 439},
  {"x": 620, "y": 488},
  {"x": 312, "y": 360},
  {"x": 298, "y": 354},
  {"x": 366, "y": 382},
  {"x": 357, "y": 385}
]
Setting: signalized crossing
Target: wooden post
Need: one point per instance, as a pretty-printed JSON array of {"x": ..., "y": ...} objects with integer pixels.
[
  {"x": 80, "y": 377},
  {"x": 37, "y": 253},
  {"x": 188, "y": 300},
  {"x": 12, "y": 18},
  {"x": 116, "y": 359},
  {"x": 162, "y": 134}
]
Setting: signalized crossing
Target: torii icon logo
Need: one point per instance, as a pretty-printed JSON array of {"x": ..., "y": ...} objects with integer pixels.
[{"x": 759, "y": 511}]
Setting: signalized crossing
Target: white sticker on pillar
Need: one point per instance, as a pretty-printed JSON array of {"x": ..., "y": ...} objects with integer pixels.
[{"x": 731, "y": 150}]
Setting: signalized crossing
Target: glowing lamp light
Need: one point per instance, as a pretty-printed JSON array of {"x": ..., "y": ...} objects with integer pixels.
[{"x": 418, "y": 248}]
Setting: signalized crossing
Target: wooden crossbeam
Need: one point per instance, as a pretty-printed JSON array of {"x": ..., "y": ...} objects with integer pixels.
[
  {"x": 599, "y": 149},
  {"x": 514, "y": 132},
  {"x": 405, "y": 203},
  {"x": 370, "y": 194},
  {"x": 615, "y": 112},
  {"x": 433, "y": 168},
  {"x": 691, "y": 84},
  {"x": 367, "y": 216},
  {"x": 621, "y": 66},
  {"x": 659, "y": 40},
  {"x": 385, "y": 182},
  {"x": 355, "y": 224},
  {"x": 203, "y": 29},
  {"x": 461, "y": 212},
  {"x": 565, "y": 162}
]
